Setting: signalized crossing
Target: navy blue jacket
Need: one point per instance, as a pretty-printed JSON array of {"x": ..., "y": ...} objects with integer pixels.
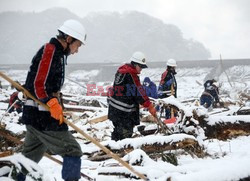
[{"x": 150, "y": 88}]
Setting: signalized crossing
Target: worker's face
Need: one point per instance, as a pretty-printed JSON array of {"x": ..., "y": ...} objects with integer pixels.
[
  {"x": 171, "y": 69},
  {"x": 138, "y": 69},
  {"x": 74, "y": 46}
]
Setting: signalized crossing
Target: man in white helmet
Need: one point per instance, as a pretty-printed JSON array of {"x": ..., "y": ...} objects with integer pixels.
[
  {"x": 168, "y": 80},
  {"x": 125, "y": 97},
  {"x": 168, "y": 84},
  {"x": 46, "y": 129}
]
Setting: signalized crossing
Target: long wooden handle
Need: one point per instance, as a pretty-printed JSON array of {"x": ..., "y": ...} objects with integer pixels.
[
  {"x": 105, "y": 149},
  {"x": 172, "y": 93}
]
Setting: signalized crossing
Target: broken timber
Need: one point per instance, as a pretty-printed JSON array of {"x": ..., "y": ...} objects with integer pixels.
[
  {"x": 168, "y": 143},
  {"x": 98, "y": 119},
  {"x": 215, "y": 126},
  {"x": 226, "y": 127}
]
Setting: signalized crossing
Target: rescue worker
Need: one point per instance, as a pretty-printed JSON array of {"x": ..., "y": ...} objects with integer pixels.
[
  {"x": 168, "y": 84},
  {"x": 210, "y": 95},
  {"x": 150, "y": 88},
  {"x": 125, "y": 97},
  {"x": 46, "y": 129},
  {"x": 168, "y": 80}
]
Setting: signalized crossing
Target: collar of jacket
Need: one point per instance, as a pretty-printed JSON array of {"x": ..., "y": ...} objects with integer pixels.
[
  {"x": 58, "y": 45},
  {"x": 127, "y": 68}
]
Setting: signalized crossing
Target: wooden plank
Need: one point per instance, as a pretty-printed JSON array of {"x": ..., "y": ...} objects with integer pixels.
[{"x": 98, "y": 119}]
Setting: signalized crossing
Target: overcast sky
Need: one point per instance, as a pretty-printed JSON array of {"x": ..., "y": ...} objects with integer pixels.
[{"x": 223, "y": 26}]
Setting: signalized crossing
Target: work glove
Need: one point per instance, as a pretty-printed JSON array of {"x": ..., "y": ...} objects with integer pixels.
[
  {"x": 21, "y": 96},
  {"x": 56, "y": 110},
  {"x": 152, "y": 110}
]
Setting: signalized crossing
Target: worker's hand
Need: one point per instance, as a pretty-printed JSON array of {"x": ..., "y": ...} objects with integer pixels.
[
  {"x": 152, "y": 110},
  {"x": 21, "y": 96},
  {"x": 55, "y": 110}
]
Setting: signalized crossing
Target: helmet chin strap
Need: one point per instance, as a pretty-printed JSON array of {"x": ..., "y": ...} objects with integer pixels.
[{"x": 67, "y": 50}]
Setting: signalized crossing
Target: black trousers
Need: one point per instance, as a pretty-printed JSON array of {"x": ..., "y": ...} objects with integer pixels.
[{"x": 123, "y": 128}]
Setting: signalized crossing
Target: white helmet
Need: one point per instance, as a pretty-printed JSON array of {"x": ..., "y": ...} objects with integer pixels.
[
  {"x": 74, "y": 29},
  {"x": 139, "y": 57},
  {"x": 171, "y": 63}
]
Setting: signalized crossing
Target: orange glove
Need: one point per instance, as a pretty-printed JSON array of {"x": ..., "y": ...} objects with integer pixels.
[
  {"x": 55, "y": 110},
  {"x": 152, "y": 110}
]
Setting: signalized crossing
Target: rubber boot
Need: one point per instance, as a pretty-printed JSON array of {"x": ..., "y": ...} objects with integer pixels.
[{"x": 71, "y": 170}]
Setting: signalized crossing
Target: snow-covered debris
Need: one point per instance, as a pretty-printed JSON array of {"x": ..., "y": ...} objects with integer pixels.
[{"x": 22, "y": 164}]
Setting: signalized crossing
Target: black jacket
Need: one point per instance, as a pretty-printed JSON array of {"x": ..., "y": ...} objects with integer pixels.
[
  {"x": 45, "y": 77},
  {"x": 126, "y": 95}
]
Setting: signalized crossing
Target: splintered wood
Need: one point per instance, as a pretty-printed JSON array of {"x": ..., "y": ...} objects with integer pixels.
[
  {"x": 157, "y": 147},
  {"x": 222, "y": 129},
  {"x": 8, "y": 141}
]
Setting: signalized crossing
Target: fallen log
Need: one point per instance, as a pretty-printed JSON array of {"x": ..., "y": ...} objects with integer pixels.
[
  {"x": 116, "y": 172},
  {"x": 219, "y": 127},
  {"x": 225, "y": 127},
  {"x": 168, "y": 143}
]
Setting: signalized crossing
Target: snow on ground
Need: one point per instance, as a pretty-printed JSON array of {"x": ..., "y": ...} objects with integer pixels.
[{"x": 229, "y": 160}]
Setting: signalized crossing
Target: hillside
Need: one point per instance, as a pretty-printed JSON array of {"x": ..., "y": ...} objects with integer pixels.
[{"x": 112, "y": 37}]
